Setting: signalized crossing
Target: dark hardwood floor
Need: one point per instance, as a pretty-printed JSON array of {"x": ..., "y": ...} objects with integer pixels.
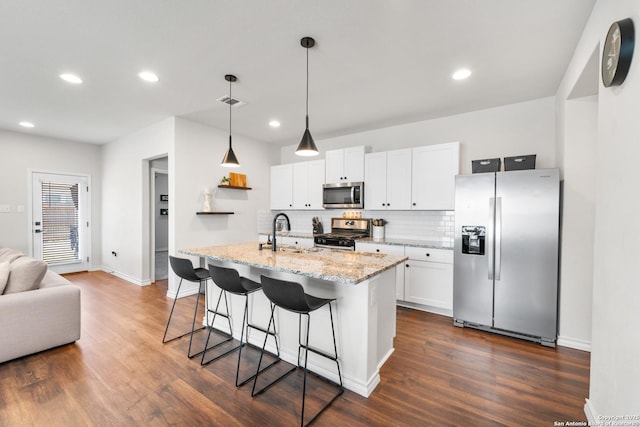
[{"x": 119, "y": 373}]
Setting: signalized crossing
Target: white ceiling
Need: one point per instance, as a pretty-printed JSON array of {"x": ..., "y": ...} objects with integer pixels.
[{"x": 376, "y": 63}]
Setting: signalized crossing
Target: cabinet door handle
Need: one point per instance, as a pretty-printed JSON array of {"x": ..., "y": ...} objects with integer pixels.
[
  {"x": 428, "y": 254},
  {"x": 414, "y": 203},
  {"x": 407, "y": 265},
  {"x": 377, "y": 250}
]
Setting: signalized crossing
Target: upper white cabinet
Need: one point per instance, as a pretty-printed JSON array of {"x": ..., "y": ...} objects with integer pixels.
[
  {"x": 345, "y": 165},
  {"x": 297, "y": 185},
  {"x": 433, "y": 172},
  {"x": 308, "y": 178},
  {"x": 388, "y": 180},
  {"x": 281, "y": 187}
]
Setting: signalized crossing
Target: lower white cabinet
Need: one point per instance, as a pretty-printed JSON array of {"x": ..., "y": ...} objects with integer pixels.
[
  {"x": 429, "y": 278},
  {"x": 388, "y": 250},
  {"x": 301, "y": 242}
]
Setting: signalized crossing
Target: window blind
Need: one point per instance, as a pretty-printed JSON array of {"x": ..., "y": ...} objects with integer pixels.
[{"x": 60, "y": 241}]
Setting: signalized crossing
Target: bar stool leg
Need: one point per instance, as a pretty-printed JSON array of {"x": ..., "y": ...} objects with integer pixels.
[
  {"x": 195, "y": 314},
  {"x": 173, "y": 306},
  {"x": 258, "y": 370},
  {"x": 216, "y": 312},
  {"x": 333, "y": 357}
]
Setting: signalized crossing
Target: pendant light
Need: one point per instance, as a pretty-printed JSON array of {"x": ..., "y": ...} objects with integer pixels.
[
  {"x": 230, "y": 160},
  {"x": 307, "y": 147}
]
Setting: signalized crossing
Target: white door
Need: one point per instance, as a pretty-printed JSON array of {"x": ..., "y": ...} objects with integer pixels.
[
  {"x": 433, "y": 176},
  {"x": 301, "y": 185},
  {"x": 282, "y": 187},
  {"x": 334, "y": 166},
  {"x": 375, "y": 178},
  {"x": 399, "y": 179},
  {"x": 316, "y": 180},
  {"x": 60, "y": 221}
]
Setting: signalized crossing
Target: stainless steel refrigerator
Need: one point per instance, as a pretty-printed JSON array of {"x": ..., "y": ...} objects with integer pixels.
[{"x": 506, "y": 253}]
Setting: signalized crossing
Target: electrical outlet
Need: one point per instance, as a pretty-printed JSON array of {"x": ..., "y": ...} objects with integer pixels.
[{"x": 5, "y": 208}]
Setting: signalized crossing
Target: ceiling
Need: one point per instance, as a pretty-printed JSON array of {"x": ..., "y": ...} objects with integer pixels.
[{"x": 376, "y": 63}]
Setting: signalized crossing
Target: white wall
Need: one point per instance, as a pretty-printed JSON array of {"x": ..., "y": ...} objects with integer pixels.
[
  {"x": 578, "y": 222},
  {"x": 615, "y": 371},
  {"x": 511, "y": 130},
  {"x": 21, "y": 152},
  {"x": 126, "y": 199},
  {"x": 194, "y": 165}
]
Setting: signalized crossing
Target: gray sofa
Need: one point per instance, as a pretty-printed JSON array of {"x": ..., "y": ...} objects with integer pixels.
[{"x": 39, "y": 309}]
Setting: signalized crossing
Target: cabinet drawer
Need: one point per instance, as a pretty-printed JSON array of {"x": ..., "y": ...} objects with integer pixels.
[
  {"x": 429, "y": 254},
  {"x": 380, "y": 248}
]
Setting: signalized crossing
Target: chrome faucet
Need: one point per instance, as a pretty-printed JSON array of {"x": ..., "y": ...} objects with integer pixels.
[{"x": 275, "y": 219}]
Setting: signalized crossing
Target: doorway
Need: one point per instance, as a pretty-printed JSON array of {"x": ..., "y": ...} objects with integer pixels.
[
  {"x": 159, "y": 218},
  {"x": 60, "y": 221}
]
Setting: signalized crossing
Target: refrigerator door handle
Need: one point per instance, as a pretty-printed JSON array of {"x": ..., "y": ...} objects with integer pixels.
[
  {"x": 490, "y": 247},
  {"x": 498, "y": 245}
]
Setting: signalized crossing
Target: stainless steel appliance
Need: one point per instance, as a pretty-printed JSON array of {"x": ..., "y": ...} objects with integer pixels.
[
  {"x": 344, "y": 233},
  {"x": 345, "y": 195},
  {"x": 506, "y": 253}
]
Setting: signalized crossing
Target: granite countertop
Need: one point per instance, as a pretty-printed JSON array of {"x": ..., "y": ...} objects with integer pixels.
[
  {"x": 332, "y": 265},
  {"x": 432, "y": 244}
]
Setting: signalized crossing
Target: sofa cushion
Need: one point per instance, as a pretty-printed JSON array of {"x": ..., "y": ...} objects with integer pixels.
[
  {"x": 5, "y": 268},
  {"x": 8, "y": 254},
  {"x": 26, "y": 275}
]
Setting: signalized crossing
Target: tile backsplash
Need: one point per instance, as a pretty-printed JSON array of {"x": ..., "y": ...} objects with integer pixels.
[{"x": 416, "y": 225}]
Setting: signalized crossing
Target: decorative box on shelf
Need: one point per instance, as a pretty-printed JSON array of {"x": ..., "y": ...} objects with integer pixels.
[{"x": 237, "y": 181}]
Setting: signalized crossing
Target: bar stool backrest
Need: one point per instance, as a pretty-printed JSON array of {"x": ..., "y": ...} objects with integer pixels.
[
  {"x": 288, "y": 295},
  {"x": 183, "y": 269},
  {"x": 227, "y": 279}
]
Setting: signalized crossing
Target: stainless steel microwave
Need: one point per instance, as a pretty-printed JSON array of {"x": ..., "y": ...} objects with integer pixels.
[{"x": 346, "y": 195}]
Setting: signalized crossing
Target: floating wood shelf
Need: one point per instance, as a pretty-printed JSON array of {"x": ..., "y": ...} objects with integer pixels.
[
  {"x": 233, "y": 187},
  {"x": 215, "y": 213}
]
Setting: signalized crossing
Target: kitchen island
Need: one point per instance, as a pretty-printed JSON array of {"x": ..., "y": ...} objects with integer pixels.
[{"x": 362, "y": 283}]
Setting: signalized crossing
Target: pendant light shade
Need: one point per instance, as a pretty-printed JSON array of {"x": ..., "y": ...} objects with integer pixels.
[
  {"x": 307, "y": 147},
  {"x": 230, "y": 160}
]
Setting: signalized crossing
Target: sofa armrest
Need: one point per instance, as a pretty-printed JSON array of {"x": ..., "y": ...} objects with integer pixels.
[{"x": 38, "y": 320}]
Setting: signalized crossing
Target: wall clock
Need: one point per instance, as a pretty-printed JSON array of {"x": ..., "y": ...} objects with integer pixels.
[{"x": 617, "y": 52}]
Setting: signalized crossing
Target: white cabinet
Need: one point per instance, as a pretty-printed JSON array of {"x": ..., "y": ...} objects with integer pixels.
[
  {"x": 308, "y": 178},
  {"x": 388, "y": 180},
  {"x": 281, "y": 187},
  {"x": 433, "y": 172},
  {"x": 297, "y": 185},
  {"x": 300, "y": 242},
  {"x": 388, "y": 250},
  {"x": 345, "y": 165},
  {"x": 429, "y": 279}
]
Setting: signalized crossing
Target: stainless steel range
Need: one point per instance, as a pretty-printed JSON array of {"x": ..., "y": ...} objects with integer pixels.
[{"x": 344, "y": 233}]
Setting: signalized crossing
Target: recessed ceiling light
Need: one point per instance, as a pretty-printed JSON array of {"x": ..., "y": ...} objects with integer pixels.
[
  {"x": 71, "y": 78},
  {"x": 461, "y": 74},
  {"x": 274, "y": 124},
  {"x": 148, "y": 76},
  {"x": 26, "y": 124}
]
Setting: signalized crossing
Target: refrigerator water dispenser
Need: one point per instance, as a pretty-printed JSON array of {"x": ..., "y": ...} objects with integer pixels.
[{"x": 473, "y": 239}]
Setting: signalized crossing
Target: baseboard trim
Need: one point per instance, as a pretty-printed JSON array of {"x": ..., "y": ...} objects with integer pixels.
[
  {"x": 591, "y": 413},
  {"x": 574, "y": 343},
  {"x": 126, "y": 277}
]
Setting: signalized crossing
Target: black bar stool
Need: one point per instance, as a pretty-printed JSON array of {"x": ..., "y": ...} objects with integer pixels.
[
  {"x": 229, "y": 280},
  {"x": 291, "y": 297},
  {"x": 183, "y": 268}
]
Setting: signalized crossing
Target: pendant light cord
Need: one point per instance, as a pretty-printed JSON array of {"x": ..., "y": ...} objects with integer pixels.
[
  {"x": 307, "y": 88},
  {"x": 230, "y": 98}
]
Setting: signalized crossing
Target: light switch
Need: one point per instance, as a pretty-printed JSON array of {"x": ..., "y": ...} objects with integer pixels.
[{"x": 5, "y": 208}]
